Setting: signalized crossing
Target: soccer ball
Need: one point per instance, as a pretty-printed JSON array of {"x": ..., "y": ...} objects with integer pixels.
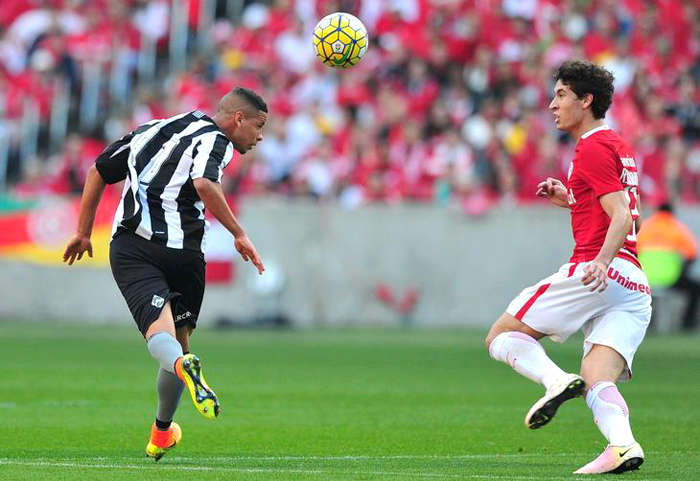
[{"x": 340, "y": 40}]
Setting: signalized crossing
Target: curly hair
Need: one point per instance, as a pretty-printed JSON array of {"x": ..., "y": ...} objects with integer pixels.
[{"x": 588, "y": 78}]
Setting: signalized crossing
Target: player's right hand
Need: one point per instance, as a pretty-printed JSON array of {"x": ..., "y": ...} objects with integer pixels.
[
  {"x": 77, "y": 246},
  {"x": 595, "y": 276},
  {"x": 247, "y": 250},
  {"x": 554, "y": 190}
]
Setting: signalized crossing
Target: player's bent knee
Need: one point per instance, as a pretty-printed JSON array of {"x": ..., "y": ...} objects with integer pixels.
[
  {"x": 594, "y": 376},
  {"x": 494, "y": 332},
  {"x": 602, "y": 364},
  {"x": 489, "y": 339},
  {"x": 164, "y": 323},
  {"x": 505, "y": 323}
]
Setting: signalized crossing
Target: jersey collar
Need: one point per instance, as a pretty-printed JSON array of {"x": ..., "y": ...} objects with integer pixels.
[
  {"x": 593, "y": 131},
  {"x": 201, "y": 115}
]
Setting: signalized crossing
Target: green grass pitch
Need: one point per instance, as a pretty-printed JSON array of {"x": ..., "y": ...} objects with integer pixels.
[{"x": 77, "y": 402}]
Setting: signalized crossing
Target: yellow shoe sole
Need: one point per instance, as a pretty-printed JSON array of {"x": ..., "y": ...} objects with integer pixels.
[{"x": 203, "y": 397}]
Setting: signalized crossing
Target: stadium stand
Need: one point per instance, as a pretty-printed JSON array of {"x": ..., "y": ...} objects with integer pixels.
[{"x": 448, "y": 106}]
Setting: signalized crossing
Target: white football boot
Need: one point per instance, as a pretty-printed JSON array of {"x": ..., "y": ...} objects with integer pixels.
[
  {"x": 615, "y": 459},
  {"x": 543, "y": 411}
]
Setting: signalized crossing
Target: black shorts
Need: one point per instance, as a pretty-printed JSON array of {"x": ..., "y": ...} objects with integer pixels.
[{"x": 149, "y": 275}]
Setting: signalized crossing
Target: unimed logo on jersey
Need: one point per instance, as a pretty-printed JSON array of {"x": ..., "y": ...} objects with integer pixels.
[{"x": 157, "y": 301}]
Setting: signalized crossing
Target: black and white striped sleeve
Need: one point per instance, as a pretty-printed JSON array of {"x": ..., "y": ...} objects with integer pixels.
[
  {"x": 112, "y": 162},
  {"x": 211, "y": 155}
]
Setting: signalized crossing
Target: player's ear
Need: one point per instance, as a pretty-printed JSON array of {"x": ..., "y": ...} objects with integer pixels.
[
  {"x": 238, "y": 117},
  {"x": 587, "y": 100}
]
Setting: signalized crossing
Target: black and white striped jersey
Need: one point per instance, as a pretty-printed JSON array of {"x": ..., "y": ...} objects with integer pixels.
[{"x": 159, "y": 161}]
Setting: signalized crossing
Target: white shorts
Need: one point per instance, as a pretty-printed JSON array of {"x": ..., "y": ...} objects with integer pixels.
[{"x": 618, "y": 317}]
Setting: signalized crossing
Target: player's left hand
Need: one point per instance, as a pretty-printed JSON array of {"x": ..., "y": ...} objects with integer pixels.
[
  {"x": 76, "y": 247},
  {"x": 595, "y": 275},
  {"x": 247, "y": 250}
]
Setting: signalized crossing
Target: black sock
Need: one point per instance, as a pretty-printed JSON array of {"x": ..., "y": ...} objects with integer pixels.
[
  {"x": 162, "y": 425},
  {"x": 185, "y": 352}
]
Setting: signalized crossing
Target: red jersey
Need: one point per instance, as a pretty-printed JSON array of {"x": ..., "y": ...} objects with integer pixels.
[{"x": 603, "y": 163}]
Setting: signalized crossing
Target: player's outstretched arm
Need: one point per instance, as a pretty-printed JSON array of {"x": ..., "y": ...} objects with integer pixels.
[
  {"x": 554, "y": 190},
  {"x": 213, "y": 197},
  {"x": 80, "y": 243},
  {"x": 616, "y": 205}
]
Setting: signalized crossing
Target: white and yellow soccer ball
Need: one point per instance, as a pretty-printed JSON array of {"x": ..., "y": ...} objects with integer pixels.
[{"x": 340, "y": 40}]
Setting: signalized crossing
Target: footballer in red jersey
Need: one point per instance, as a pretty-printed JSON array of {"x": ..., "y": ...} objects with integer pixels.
[{"x": 602, "y": 290}]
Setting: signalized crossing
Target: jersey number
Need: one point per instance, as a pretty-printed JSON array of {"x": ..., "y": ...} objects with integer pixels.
[{"x": 632, "y": 200}]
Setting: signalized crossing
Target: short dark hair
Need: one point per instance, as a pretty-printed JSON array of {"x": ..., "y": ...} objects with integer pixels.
[
  {"x": 588, "y": 78},
  {"x": 252, "y": 98}
]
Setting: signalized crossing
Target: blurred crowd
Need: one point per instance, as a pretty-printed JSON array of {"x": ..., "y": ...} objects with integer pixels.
[{"x": 448, "y": 106}]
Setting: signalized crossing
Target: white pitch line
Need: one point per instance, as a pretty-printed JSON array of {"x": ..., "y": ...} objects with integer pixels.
[
  {"x": 366, "y": 458},
  {"x": 267, "y": 470},
  {"x": 361, "y": 457},
  {"x": 317, "y": 458}
]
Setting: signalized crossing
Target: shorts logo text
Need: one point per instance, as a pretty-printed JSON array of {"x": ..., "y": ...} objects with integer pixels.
[{"x": 182, "y": 317}]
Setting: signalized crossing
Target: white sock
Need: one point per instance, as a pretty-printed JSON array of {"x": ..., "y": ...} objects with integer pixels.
[
  {"x": 610, "y": 413},
  {"x": 524, "y": 354},
  {"x": 165, "y": 349}
]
